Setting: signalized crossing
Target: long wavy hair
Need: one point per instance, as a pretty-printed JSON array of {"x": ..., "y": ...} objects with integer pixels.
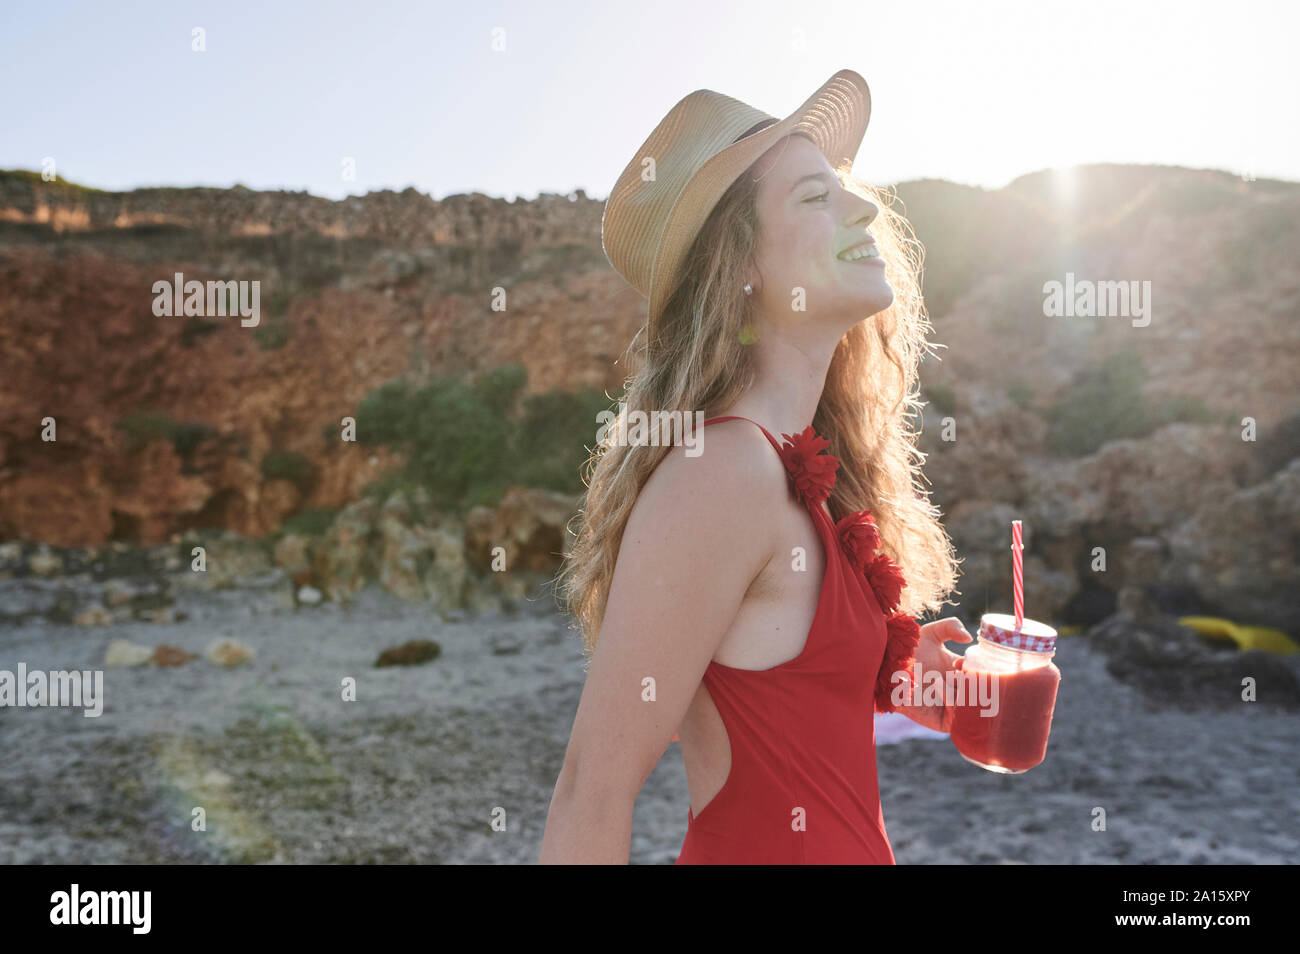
[{"x": 700, "y": 359}]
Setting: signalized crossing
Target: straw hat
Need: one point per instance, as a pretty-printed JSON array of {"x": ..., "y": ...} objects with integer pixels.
[{"x": 698, "y": 150}]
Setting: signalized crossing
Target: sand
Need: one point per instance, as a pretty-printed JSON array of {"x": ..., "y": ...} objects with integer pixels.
[{"x": 412, "y": 771}]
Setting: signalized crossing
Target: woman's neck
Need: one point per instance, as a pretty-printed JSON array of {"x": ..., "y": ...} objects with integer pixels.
[{"x": 789, "y": 377}]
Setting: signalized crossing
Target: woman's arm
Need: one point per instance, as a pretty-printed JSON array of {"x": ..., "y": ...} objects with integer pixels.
[{"x": 694, "y": 542}]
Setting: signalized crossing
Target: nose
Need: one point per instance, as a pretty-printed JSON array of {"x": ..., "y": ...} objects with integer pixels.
[{"x": 862, "y": 212}]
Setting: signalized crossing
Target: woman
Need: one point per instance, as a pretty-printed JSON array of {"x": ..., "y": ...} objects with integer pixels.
[{"x": 751, "y": 598}]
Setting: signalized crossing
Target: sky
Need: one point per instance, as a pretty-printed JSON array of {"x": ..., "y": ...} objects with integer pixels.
[{"x": 517, "y": 98}]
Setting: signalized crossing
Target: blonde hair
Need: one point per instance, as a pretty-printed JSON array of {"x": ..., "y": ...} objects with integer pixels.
[{"x": 699, "y": 360}]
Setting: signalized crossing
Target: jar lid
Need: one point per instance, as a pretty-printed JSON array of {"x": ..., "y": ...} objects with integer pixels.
[{"x": 1032, "y": 637}]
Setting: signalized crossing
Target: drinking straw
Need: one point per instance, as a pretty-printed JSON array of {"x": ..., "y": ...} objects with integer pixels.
[{"x": 1018, "y": 572}]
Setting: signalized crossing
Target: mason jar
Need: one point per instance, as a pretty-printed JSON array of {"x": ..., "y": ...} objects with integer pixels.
[{"x": 1009, "y": 685}]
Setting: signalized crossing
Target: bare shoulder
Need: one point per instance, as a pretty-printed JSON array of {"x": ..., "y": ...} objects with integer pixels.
[
  {"x": 702, "y": 523},
  {"x": 732, "y": 469}
]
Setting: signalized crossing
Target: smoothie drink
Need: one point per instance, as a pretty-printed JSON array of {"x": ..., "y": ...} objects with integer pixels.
[{"x": 1003, "y": 727}]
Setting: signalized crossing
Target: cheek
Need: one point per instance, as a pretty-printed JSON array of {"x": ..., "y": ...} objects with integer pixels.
[{"x": 799, "y": 254}]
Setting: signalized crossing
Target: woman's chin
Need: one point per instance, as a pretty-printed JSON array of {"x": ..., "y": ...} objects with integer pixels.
[{"x": 873, "y": 299}]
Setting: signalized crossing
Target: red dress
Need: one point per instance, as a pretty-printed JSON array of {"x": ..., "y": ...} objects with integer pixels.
[{"x": 802, "y": 787}]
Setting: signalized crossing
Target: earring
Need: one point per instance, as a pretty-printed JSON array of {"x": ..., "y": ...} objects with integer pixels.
[{"x": 749, "y": 289}]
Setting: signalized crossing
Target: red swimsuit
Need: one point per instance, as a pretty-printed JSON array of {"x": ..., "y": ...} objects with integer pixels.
[{"x": 802, "y": 787}]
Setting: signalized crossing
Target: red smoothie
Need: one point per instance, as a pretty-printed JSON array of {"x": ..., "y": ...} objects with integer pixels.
[{"x": 1015, "y": 738}]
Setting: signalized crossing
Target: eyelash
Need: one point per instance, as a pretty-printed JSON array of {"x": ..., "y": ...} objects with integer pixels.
[{"x": 817, "y": 197}]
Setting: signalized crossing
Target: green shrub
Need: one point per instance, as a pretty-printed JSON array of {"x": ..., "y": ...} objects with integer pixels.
[
  {"x": 141, "y": 427},
  {"x": 286, "y": 465},
  {"x": 272, "y": 334},
  {"x": 454, "y": 440},
  {"x": 196, "y": 328},
  {"x": 942, "y": 397},
  {"x": 1182, "y": 409},
  {"x": 465, "y": 444},
  {"x": 310, "y": 522},
  {"x": 277, "y": 305},
  {"x": 500, "y": 387},
  {"x": 1020, "y": 394},
  {"x": 1105, "y": 403},
  {"x": 555, "y": 430}
]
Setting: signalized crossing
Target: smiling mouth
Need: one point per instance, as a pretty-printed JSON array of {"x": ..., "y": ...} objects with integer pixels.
[{"x": 859, "y": 252}]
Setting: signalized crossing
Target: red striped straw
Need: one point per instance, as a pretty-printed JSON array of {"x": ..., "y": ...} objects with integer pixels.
[{"x": 1018, "y": 572}]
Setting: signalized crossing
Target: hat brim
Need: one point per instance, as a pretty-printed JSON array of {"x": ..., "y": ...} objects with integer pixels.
[{"x": 835, "y": 118}]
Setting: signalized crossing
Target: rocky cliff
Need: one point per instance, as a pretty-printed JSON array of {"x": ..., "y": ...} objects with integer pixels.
[
  {"x": 1167, "y": 440},
  {"x": 352, "y": 294}
]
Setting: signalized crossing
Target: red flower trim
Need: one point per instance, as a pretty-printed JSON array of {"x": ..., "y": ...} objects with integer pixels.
[
  {"x": 903, "y": 634},
  {"x": 886, "y": 581},
  {"x": 812, "y": 472},
  {"x": 859, "y": 537}
]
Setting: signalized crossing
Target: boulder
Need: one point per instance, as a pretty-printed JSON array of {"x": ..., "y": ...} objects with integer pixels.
[
  {"x": 228, "y": 653},
  {"x": 121, "y": 652},
  {"x": 529, "y": 525},
  {"x": 411, "y": 653},
  {"x": 421, "y": 553},
  {"x": 292, "y": 553},
  {"x": 93, "y": 616},
  {"x": 44, "y": 562},
  {"x": 1173, "y": 665},
  {"x": 1239, "y": 550},
  {"x": 166, "y": 655},
  {"x": 342, "y": 561}
]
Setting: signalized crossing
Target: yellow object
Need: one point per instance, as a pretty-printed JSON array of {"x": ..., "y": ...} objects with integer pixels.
[{"x": 1246, "y": 637}]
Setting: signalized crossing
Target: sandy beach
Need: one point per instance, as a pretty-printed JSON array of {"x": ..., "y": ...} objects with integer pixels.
[{"x": 411, "y": 771}]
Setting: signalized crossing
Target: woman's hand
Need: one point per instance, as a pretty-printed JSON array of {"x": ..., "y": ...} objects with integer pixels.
[{"x": 933, "y": 657}]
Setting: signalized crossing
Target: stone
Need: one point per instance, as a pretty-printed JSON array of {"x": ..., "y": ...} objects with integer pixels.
[
  {"x": 1173, "y": 665},
  {"x": 117, "y": 592},
  {"x": 45, "y": 563},
  {"x": 93, "y": 616},
  {"x": 1240, "y": 551},
  {"x": 228, "y": 653},
  {"x": 412, "y": 653},
  {"x": 293, "y": 554},
  {"x": 160, "y": 614},
  {"x": 121, "y": 652},
  {"x": 342, "y": 561},
  {"x": 504, "y": 644},
  {"x": 29, "y": 597},
  {"x": 529, "y": 525},
  {"x": 166, "y": 655}
]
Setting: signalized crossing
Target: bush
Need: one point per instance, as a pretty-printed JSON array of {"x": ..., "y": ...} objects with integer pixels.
[
  {"x": 942, "y": 397},
  {"x": 272, "y": 334},
  {"x": 1105, "y": 403},
  {"x": 1181, "y": 408},
  {"x": 286, "y": 465},
  {"x": 555, "y": 431},
  {"x": 465, "y": 444},
  {"x": 310, "y": 522},
  {"x": 1020, "y": 394},
  {"x": 141, "y": 427}
]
